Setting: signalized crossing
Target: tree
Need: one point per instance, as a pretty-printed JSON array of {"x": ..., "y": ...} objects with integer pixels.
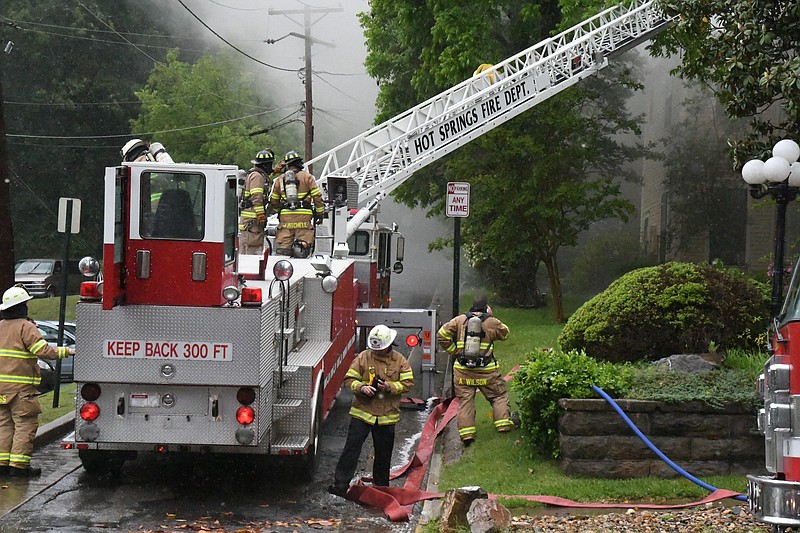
[
  {"x": 199, "y": 108},
  {"x": 747, "y": 53},
  {"x": 537, "y": 181},
  {"x": 705, "y": 194},
  {"x": 68, "y": 93}
]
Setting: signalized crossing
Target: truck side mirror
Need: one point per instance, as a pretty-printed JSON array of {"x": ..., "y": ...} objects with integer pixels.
[{"x": 399, "y": 254}]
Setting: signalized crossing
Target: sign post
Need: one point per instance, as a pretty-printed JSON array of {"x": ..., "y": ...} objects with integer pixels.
[
  {"x": 457, "y": 207},
  {"x": 69, "y": 222}
]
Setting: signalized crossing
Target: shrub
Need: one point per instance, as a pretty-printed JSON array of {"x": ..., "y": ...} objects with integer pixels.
[
  {"x": 715, "y": 387},
  {"x": 654, "y": 312},
  {"x": 546, "y": 377}
]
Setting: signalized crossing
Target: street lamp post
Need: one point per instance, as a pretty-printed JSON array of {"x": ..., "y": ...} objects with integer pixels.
[{"x": 778, "y": 177}]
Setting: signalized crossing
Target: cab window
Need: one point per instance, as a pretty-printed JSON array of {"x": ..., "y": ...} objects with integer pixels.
[
  {"x": 384, "y": 254},
  {"x": 172, "y": 206},
  {"x": 359, "y": 243},
  {"x": 231, "y": 221}
]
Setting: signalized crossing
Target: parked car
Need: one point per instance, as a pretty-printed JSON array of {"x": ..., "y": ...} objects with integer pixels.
[
  {"x": 49, "y": 331},
  {"x": 42, "y": 278}
]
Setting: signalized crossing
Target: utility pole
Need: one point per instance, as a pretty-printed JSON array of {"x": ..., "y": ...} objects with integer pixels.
[
  {"x": 6, "y": 231},
  {"x": 307, "y": 11}
]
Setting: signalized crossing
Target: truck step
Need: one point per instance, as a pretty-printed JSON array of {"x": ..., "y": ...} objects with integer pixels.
[
  {"x": 288, "y": 443},
  {"x": 282, "y": 408}
]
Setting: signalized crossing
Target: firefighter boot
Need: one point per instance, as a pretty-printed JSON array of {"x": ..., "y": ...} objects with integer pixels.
[
  {"x": 4, "y": 471},
  {"x": 31, "y": 471},
  {"x": 338, "y": 489}
]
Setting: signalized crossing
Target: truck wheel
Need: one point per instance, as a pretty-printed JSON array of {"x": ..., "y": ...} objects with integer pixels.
[
  {"x": 309, "y": 461},
  {"x": 51, "y": 292},
  {"x": 101, "y": 462}
]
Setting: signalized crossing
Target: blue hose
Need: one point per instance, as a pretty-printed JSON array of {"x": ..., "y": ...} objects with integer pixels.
[{"x": 678, "y": 469}]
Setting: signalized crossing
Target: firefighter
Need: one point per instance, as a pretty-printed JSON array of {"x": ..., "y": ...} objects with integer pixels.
[
  {"x": 253, "y": 215},
  {"x": 298, "y": 201},
  {"x": 469, "y": 338},
  {"x": 20, "y": 346},
  {"x": 378, "y": 377},
  {"x": 136, "y": 151}
]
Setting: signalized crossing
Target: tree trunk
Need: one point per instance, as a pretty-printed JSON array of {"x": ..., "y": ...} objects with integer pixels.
[{"x": 555, "y": 287}]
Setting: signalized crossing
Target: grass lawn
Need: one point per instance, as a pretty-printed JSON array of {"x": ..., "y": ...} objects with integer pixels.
[
  {"x": 505, "y": 463},
  {"x": 66, "y": 404}
]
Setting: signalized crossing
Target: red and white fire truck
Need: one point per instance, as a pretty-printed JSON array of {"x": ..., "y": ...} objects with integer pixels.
[{"x": 187, "y": 346}]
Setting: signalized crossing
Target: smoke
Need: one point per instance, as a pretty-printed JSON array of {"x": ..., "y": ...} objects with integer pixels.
[{"x": 343, "y": 102}]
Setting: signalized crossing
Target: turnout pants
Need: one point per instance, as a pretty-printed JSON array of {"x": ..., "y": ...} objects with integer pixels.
[
  {"x": 494, "y": 389},
  {"x": 19, "y": 420},
  {"x": 251, "y": 239},
  {"x": 382, "y": 441}
]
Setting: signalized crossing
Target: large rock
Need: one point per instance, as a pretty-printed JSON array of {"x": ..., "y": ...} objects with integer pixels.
[
  {"x": 690, "y": 362},
  {"x": 488, "y": 516},
  {"x": 456, "y": 504}
]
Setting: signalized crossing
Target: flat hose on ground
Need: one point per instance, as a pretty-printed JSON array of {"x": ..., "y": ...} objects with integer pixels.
[{"x": 678, "y": 469}]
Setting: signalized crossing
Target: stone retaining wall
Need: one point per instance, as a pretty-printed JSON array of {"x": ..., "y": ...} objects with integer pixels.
[{"x": 596, "y": 442}]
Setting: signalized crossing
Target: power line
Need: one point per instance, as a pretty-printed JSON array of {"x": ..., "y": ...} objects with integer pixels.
[
  {"x": 231, "y": 44},
  {"x": 150, "y": 133}
]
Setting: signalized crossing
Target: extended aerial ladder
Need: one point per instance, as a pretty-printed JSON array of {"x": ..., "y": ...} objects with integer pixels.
[{"x": 368, "y": 167}]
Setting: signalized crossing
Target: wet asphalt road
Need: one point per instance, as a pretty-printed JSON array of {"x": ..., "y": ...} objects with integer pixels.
[{"x": 173, "y": 493}]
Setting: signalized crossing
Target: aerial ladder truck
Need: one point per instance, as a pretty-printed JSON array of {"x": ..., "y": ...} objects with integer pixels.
[{"x": 185, "y": 346}]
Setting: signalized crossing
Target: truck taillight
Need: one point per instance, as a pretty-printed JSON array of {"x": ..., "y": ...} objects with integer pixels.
[
  {"x": 90, "y": 411},
  {"x": 90, "y": 391},
  {"x": 245, "y": 415},
  {"x": 91, "y": 291},
  {"x": 412, "y": 341},
  {"x": 251, "y": 296},
  {"x": 246, "y": 395}
]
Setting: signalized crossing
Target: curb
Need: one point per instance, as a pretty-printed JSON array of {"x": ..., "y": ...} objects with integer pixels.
[
  {"x": 431, "y": 509},
  {"x": 52, "y": 430}
]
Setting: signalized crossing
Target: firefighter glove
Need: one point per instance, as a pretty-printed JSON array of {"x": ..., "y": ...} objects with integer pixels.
[{"x": 317, "y": 219}]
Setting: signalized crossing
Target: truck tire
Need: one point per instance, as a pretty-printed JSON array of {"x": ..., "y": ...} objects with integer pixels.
[{"x": 102, "y": 462}]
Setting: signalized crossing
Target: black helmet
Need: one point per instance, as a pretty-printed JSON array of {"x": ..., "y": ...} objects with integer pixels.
[
  {"x": 293, "y": 158},
  {"x": 264, "y": 157}
]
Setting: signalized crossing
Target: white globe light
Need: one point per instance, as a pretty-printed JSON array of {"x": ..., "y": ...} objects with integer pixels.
[
  {"x": 776, "y": 169},
  {"x": 752, "y": 172},
  {"x": 787, "y": 149},
  {"x": 794, "y": 177}
]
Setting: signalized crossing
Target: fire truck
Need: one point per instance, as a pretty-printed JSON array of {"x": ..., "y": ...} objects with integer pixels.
[
  {"x": 186, "y": 346},
  {"x": 776, "y": 499}
]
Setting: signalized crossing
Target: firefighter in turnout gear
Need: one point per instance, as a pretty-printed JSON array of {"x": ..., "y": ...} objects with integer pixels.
[
  {"x": 298, "y": 201},
  {"x": 137, "y": 151},
  {"x": 253, "y": 214},
  {"x": 20, "y": 346},
  {"x": 378, "y": 377},
  {"x": 469, "y": 339}
]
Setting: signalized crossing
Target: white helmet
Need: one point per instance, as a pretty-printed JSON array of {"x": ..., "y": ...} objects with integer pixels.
[
  {"x": 130, "y": 146},
  {"x": 14, "y": 296},
  {"x": 381, "y": 337}
]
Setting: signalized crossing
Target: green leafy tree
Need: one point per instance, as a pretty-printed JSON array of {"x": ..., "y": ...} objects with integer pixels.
[
  {"x": 67, "y": 95},
  {"x": 537, "y": 181},
  {"x": 747, "y": 52},
  {"x": 204, "y": 112}
]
